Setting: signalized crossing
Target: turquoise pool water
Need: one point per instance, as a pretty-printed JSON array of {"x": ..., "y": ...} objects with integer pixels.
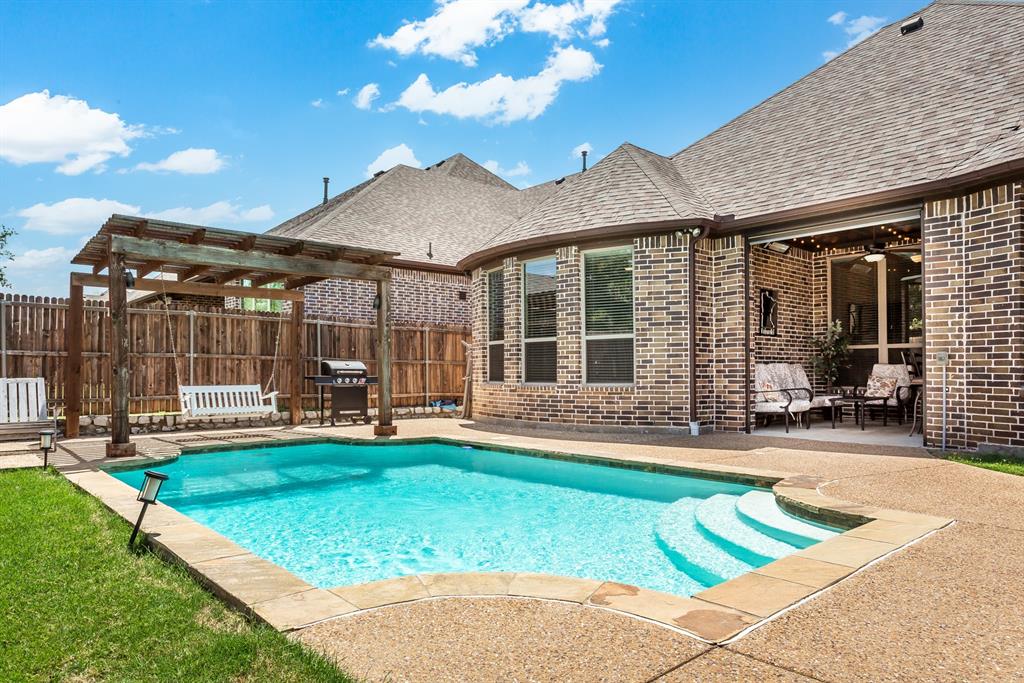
[{"x": 339, "y": 514}]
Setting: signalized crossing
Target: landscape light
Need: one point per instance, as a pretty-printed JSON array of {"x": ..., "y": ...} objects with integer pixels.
[
  {"x": 147, "y": 494},
  {"x": 46, "y": 445}
]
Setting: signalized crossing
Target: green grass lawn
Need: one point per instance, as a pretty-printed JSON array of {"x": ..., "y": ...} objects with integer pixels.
[
  {"x": 991, "y": 461},
  {"x": 76, "y": 605}
]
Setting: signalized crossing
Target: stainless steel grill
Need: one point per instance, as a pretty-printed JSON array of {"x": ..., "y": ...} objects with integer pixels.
[{"x": 348, "y": 381}]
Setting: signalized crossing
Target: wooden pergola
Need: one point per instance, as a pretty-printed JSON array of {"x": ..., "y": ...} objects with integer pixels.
[{"x": 205, "y": 261}]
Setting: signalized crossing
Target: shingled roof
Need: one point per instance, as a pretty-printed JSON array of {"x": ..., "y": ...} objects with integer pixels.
[
  {"x": 631, "y": 186},
  {"x": 447, "y": 209},
  {"x": 894, "y": 111}
]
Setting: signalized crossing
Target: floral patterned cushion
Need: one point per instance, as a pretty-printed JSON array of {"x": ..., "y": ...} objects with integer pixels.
[{"x": 882, "y": 387}]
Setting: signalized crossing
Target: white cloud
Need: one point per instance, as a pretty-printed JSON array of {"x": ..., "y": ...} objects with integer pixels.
[
  {"x": 215, "y": 214},
  {"x": 856, "y": 30},
  {"x": 73, "y": 216},
  {"x": 520, "y": 169},
  {"x": 38, "y": 128},
  {"x": 561, "y": 20},
  {"x": 579, "y": 149},
  {"x": 191, "y": 161},
  {"x": 366, "y": 95},
  {"x": 342, "y": 92},
  {"x": 34, "y": 259},
  {"x": 317, "y": 103},
  {"x": 389, "y": 158},
  {"x": 455, "y": 28},
  {"x": 503, "y": 98},
  {"x": 603, "y": 42}
]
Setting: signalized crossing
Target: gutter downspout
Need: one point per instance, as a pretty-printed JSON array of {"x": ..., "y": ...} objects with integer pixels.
[
  {"x": 746, "y": 333},
  {"x": 696, "y": 235}
]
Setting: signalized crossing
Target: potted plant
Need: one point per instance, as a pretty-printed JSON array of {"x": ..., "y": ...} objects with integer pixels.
[
  {"x": 831, "y": 353},
  {"x": 915, "y": 326}
]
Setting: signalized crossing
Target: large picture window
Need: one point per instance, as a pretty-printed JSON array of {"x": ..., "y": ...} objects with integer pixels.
[
  {"x": 540, "y": 321},
  {"x": 608, "y": 316},
  {"x": 496, "y": 326}
]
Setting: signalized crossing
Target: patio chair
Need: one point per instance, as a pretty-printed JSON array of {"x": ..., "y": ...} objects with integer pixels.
[
  {"x": 890, "y": 384},
  {"x": 776, "y": 393}
]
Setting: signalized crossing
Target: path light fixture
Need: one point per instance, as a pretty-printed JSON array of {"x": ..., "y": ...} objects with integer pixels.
[
  {"x": 46, "y": 445},
  {"x": 147, "y": 494}
]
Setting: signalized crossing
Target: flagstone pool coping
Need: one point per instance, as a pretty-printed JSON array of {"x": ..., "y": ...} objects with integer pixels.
[{"x": 270, "y": 593}]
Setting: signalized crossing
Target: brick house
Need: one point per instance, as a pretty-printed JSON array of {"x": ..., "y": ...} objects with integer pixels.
[{"x": 884, "y": 190}]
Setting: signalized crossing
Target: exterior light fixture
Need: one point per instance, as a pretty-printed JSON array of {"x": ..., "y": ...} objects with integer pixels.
[
  {"x": 376, "y": 302},
  {"x": 46, "y": 445},
  {"x": 916, "y": 258},
  {"x": 147, "y": 494},
  {"x": 874, "y": 257},
  {"x": 779, "y": 247},
  {"x": 129, "y": 279}
]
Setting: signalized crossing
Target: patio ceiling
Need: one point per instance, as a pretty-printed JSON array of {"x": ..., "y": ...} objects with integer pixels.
[{"x": 164, "y": 246}]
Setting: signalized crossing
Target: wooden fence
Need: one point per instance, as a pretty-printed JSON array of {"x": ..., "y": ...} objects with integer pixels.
[{"x": 207, "y": 345}]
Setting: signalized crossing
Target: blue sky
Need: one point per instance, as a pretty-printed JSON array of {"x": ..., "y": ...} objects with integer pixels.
[{"x": 229, "y": 114}]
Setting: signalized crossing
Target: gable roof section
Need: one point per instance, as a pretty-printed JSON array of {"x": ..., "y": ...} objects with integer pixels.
[
  {"x": 460, "y": 166},
  {"x": 629, "y": 187},
  {"x": 894, "y": 111},
  {"x": 414, "y": 211}
]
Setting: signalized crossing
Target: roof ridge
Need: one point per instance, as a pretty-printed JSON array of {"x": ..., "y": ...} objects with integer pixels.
[
  {"x": 381, "y": 178},
  {"x": 647, "y": 171},
  {"x": 626, "y": 146}
]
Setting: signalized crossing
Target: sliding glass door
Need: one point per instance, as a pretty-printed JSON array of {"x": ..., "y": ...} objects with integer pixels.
[{"x": 880, "y": 306}]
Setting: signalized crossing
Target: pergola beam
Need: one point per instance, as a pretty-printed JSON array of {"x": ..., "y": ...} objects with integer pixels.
[
  {"x": 196, "y": 288},
  {"x": 255, "y": 261}
]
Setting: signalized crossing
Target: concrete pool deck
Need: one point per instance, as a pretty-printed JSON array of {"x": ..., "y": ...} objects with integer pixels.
[{"x": 944, "y": 608}]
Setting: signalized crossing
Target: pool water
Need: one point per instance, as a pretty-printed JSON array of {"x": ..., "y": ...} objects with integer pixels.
[{"x": 339, "y": 514}]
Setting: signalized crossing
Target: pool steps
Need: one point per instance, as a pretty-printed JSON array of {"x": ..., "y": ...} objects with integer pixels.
[
  {"x": 720, "y": 537},
  {"x": 759, "y": 510}
]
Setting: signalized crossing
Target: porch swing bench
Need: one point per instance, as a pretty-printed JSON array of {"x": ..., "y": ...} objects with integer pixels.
[{"x": 232, "y": 400}]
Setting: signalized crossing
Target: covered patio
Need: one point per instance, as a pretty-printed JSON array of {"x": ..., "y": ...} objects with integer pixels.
[
  {"x": 862, "y": 280},
  {"x": 206, "y": 261}
]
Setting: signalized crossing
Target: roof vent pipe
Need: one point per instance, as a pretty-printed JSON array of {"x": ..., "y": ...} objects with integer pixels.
[
  {"x": 911, "y": 25},
  {"x": 583, "y": 153},
  {"x": 327, "y": 181}
]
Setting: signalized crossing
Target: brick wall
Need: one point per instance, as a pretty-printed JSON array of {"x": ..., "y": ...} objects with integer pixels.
[
  {"x": 974, "y": 310},
  {"x": 728, "y": 275},
  {"x": 416, "y": 297},
  {"x": 790, "y": 276},
  {"x": 657, "y": 399}
]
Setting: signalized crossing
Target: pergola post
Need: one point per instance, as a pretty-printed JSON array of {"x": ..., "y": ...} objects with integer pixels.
[
  {"x": 73, "y": 364},
  {"x": 119, "y": 445},
  {"x": 297, "y": 373},
  {"x": 384, "y": 426}
]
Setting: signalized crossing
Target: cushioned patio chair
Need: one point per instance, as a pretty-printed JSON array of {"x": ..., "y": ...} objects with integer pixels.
[
  {"x": 890, "y": 384},
  {"x": 776, "y": 392}
]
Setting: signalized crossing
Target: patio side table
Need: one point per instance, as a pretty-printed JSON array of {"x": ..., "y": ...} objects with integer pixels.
[{"x": 857, "y": 402}]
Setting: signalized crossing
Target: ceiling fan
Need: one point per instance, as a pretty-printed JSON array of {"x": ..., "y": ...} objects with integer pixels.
[{"x": 875, "y": 250}]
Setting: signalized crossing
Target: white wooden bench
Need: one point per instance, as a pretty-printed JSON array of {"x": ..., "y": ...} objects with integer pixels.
[
  {"x": 23, "y": 406},
  {"x": 234, "y": 400}
]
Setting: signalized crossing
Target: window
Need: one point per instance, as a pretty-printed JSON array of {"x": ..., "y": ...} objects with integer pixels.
[
  {"x": 496, "y": 326},
  {"x": 880, "y": 305},
  {"x": 539, "y": 321},
  {"x": 263, "y": 305},
  {"x": 608, "y": 316}
]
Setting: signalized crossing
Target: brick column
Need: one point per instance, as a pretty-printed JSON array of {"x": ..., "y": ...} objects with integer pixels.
[
  {"x": 730, "y": 352},
  {"x": 974, "y": 310},
  {"x": 513, "y": 321},
  {"x": 570, "y": 316},
  {"x": 478, "y": 316}
]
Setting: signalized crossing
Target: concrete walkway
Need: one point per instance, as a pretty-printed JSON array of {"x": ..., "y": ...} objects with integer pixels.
[{"x": 945, "y": 609}]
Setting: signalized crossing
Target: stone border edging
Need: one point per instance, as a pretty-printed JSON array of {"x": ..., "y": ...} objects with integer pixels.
[{"x": 270, "y": 593}]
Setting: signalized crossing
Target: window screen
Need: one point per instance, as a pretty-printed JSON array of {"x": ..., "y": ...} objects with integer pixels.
[
  {"x": 608, "y": 313},
  {"x": 540, "y": 321}
]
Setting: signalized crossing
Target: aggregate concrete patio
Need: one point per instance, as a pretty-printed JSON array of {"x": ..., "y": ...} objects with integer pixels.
[{"x": 945, "y": 608}]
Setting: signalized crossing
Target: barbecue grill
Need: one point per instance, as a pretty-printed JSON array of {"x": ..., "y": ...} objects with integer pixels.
[{"x": 348, "y": 381}]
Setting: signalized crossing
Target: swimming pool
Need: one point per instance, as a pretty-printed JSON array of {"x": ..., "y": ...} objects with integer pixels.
[{"x": 339, "y": 514}]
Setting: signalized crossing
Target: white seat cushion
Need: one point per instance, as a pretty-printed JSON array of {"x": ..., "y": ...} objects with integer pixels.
[
  {"x": 823, "y": 401},
  {"x": 778, "y": 407}
]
